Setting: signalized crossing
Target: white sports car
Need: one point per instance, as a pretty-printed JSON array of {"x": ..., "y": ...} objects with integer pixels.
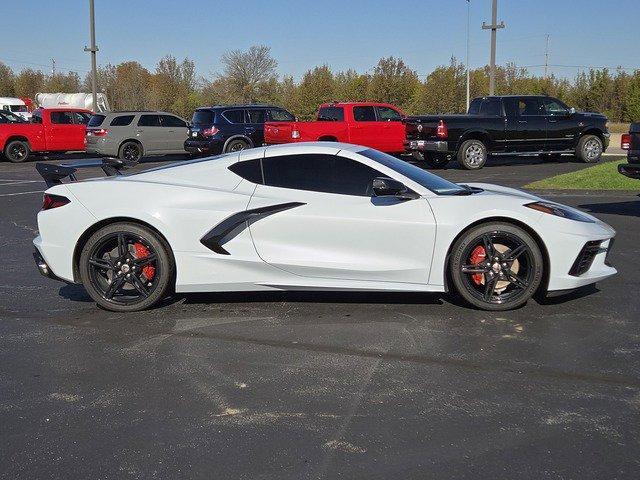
[{"x": 314, "y": 216}]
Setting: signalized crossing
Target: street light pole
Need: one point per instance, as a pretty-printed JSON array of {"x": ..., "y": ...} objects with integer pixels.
[
  {"x": 93, "y": 49},
  {"x": 468, "y": 18},
  {"x": 494, "y": 28}
]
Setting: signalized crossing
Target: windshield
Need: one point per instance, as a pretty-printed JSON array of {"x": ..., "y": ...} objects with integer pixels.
[
  {"x": 18, "y": 108},
  {"x": 428, "y": 180}
]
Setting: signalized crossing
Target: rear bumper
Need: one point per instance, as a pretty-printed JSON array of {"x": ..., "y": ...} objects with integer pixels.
[
  {"x": 426, "y": 146},
  {"x": 101, "y": 147},
  {"x": 631, "y": 171},
  {"x": 43, "y": 267},
  {"x": 212, "y": 146},
  {"x": 633, "y": 156}
]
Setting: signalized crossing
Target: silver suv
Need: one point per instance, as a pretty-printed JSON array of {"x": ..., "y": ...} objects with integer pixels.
[{"x": 133, "y": 135}]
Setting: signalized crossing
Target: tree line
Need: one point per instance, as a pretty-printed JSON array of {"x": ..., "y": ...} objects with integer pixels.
[{"x": 251, "y": 76}]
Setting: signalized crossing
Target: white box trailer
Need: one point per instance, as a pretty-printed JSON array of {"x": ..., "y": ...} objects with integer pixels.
[{"x": 77, "y": 100}]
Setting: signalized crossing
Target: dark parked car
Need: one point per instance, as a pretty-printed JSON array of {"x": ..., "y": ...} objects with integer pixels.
[
  {"x": 508, "y": 125},
  {"x": 631, "y": 143},
  {"x": 230, "y": 128}
]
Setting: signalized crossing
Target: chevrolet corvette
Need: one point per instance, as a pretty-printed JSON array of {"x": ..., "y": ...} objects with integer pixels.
[{"x": 308, "y": 216}]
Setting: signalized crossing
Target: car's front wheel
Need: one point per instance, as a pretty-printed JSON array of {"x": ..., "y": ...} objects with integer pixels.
[
  {"x": 126, "y": 267},
  {"x": 589, "y": 149},
  {"x": 496, "y": 266}
]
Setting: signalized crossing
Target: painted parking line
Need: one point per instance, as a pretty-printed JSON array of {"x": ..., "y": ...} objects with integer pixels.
[{"x": 20, "y": 193}]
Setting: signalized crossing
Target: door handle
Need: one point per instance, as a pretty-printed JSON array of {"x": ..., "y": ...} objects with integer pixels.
[
  {"x": 522, "y": 121},
  {"x": 553, "y": 121}
]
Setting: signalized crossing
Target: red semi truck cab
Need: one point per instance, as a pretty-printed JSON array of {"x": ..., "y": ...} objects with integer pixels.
[
  {"x": 50, "y": 130},
  {"x": 371, "y": 124}
]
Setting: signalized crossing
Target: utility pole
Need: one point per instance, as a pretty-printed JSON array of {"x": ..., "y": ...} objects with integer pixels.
[
  {"x": 53, "y": 67},
  {"x": 494, "y": 28},
  {"x": 93, "y": 49},
  {"x": 468, "y": 17},
  {"x": 546, "y": 57}
]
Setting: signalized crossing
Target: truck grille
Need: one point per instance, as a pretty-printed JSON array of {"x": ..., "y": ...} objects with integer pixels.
[{"x": 585, "y": 258}]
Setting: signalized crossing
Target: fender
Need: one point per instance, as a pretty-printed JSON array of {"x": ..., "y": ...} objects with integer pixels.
[
  {"x": 238, "y": 137},
  {"x": 475, "y": 133}
]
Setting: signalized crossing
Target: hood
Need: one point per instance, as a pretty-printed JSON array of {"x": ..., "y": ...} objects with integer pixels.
[{"x": 508, "y": 191}]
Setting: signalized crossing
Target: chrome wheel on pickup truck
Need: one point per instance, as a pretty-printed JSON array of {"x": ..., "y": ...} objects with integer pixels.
[{"x": 472, "y": 154}]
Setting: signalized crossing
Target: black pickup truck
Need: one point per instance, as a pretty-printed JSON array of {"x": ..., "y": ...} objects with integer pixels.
[
  {"x": 631, "y": 142},
  {"x": 507, "y": 125}
]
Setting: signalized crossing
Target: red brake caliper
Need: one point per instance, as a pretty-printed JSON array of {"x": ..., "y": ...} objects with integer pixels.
[
  {"x": 141, "y": 252},
  {"x": 478, "y": 256}
]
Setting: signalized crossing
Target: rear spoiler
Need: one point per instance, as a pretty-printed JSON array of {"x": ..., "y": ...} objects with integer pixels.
[{"x": 53, "y": 174}]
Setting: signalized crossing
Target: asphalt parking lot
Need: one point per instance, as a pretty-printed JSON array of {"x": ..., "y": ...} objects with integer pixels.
[{"x": 320, "y": 385}]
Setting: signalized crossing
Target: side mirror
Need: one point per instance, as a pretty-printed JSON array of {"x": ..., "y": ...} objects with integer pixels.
[
  {"x": 388, "y": 187},
  {"x": 572, "y": 111}
]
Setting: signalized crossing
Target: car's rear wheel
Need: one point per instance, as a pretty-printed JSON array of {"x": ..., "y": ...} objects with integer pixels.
[
  {"x": 472, "y": 154},
  {"x": 436, "y": 160},
  {"x": 589, "y": 149},
  {"x": 17, "y": 151},
  {"x": 126, "y": 267},
  {"x": 236, "y": 146},
  {"x": 130, "y": 152},
  {"x": 496, "y": 266}
]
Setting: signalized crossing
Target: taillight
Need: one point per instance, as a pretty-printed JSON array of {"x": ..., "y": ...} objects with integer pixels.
[
  {"x": 209, "y": 132},
  {"x": 295, "y": 133},
  {"x": 53, "y": 201},
  {"x": 441, "y": 131},
  {"x": 625, "y": 141},
  {"x": 98, "y": 132}
]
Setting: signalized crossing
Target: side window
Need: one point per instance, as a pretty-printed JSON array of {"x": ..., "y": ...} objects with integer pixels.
[
  {"x": 149, "y": 121},
  {"x": 62, "y": 118},
  {"x": 234, "y": 116},
  {"x": 277, "y": 115},
  {"x": 386, "y": 114},
  {"x": 331, "y": 114},
  {"x": 491, "y": 106},
  {"x": 171, "y": 121},
  {"x": 255, "y": 116},
  {"x": 121, "y": 121},
  {"x": 554, "y": 107},
  {"x": 364, "y": 114},
  {"x": 529, "y": 107},
  {"x": 249, "y": 170},
  {"x": 81, "y": 118},
  {"x": 319, "y": 173}
]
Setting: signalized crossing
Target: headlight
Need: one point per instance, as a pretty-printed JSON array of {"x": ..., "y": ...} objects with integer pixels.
[{"x": 560, "y": 211}]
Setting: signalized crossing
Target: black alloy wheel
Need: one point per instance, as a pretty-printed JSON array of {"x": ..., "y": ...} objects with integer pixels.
[
  {"x": 236, "y": 146},
  {"x": 496, "y": 266},
  {"x": 125, "y": 267},
  {"x": 130, "y": 152},
  {"x": 17, "y": 151}
]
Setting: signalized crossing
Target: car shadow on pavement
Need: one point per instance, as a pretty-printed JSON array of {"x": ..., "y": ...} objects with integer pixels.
[
  {"x": 74, "y": 292},
  {"x": 557, "y": 298},
  {"x": 629, "y": 209}
]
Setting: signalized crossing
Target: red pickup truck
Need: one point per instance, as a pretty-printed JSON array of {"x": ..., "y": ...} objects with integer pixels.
[
  {"x": 375, "y": 125},
  {"x": 50, "y": 130}
]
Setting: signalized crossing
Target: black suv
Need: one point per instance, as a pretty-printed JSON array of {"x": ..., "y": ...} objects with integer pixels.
[{"x": 230, "y": 128}]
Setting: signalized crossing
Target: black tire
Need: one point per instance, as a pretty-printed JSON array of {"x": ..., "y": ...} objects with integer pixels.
[
  {"x": 236, "y": 146},
  {"x": 436, "y": 160},
  {"x": 114, "y": 274},
  {"x": 17, "y": 151},
  {"x": 130, "y": 152},
  {"x": 589, "y": 149},
  {"x": 472, "y": 154},
  {"x": 502, "y": 284}
]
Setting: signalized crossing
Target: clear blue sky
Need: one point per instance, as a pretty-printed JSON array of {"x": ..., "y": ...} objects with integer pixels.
[{"x": 306, "y": 33}]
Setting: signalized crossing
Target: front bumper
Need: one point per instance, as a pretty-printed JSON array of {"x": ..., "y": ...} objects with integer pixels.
[
  {"x": 211, "y": 146},
  {"x": 426, "y": 146}
]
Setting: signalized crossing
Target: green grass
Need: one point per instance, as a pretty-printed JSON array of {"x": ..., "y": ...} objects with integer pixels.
[{"x": 603, "y": 176}]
